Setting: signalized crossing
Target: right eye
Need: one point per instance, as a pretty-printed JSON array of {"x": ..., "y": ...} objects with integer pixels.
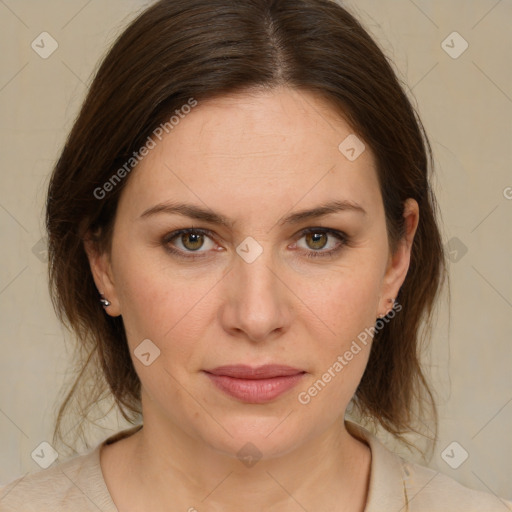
[{"x": 190, "y": 241}]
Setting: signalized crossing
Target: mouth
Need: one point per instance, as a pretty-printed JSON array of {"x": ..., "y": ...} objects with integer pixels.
[{"x": 255, "y": 385}]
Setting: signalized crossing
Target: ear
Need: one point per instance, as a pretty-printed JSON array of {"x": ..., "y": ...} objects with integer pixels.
[
  {"x": 398, "y": 263},
  {"x": 101, "y": 269}
]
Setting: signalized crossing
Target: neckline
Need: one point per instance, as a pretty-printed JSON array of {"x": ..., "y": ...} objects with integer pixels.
[{"x": 386, "y": 489}]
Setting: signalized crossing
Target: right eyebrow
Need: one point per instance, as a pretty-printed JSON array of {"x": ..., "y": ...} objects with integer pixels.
[{"x": 189, "y": 210}]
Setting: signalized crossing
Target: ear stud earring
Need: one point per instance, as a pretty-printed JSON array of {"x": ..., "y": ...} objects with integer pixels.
[{"x": 104, "y": 302}]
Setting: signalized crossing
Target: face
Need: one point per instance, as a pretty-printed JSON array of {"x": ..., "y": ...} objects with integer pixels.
[{"x": 265, "y": 286}]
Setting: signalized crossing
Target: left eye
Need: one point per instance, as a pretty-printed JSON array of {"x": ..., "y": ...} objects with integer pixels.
[{"x": 317, "y": 240}]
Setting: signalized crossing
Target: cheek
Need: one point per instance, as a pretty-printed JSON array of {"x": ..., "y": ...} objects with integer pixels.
[
  {"x": 344, "y": 302},
  {"x": 160, "y": 304},
  {"x": 340, "y": 318},
  {"x": 339, "y": 341}
]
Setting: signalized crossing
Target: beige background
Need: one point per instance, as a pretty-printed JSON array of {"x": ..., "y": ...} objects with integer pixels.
[{"x": 466, "y": 106}]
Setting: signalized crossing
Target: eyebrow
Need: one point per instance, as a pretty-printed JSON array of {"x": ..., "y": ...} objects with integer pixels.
[{"x": 207, "y": 215}]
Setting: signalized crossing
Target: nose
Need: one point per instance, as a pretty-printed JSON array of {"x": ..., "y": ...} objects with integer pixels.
[{"x": 257, "y": 304}]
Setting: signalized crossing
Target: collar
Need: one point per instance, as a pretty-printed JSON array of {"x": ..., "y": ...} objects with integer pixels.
[{"x": 386, "y": 490}]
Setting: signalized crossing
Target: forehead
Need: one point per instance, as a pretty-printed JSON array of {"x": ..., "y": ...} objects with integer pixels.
[{"x": 265, "y": 147}]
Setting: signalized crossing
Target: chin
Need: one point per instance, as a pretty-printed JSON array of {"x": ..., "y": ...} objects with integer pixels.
[{"x": 256, "y": 435}]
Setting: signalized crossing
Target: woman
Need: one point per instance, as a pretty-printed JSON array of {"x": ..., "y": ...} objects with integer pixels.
[{"x": 243, "y": 236}]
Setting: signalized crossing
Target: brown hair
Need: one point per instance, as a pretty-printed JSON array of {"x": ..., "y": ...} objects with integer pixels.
[{"x": 182, "y": 49}]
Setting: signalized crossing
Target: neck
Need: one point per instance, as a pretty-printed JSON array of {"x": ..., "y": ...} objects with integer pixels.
[{"x": 328, "y": 472}]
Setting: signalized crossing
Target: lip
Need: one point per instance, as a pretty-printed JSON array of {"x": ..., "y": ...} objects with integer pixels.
[{"x": 255, "y": 385}]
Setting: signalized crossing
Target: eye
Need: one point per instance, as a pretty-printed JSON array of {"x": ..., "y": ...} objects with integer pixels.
[
  {"x": 188, "y": 241},
  {"x": 318, "y": 238},
  {"x": 193, "y": 243}
]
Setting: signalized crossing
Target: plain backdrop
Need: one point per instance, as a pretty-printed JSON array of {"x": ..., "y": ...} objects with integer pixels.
[{"x": 465, "y": 101}]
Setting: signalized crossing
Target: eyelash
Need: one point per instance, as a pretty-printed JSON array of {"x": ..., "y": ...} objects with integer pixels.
[{"x": 340, "y": 235}]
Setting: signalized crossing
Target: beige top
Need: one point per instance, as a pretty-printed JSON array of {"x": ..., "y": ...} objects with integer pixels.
[{"x": 77, "y": 485}]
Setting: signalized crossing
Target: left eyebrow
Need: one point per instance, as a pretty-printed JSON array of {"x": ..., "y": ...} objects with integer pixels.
[
  {"x": 199, "y": 213},
  {"x": 322, "y": 210}
]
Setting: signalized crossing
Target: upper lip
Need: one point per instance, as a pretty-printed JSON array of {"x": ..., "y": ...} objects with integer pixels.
[{"x": 266, "y": 371}]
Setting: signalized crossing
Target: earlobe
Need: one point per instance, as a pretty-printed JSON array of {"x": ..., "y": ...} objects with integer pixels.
[
  {"x": 391, "y": 305},
  {"x": 101, "y": 270}
]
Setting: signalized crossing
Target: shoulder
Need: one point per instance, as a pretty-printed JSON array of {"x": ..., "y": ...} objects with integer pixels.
[
  {"x": 396, "y": 484},
  {"x": 74, "y": 485},
  {"x": 430, "y": 490},
  {"x": 56, "y": 488}
]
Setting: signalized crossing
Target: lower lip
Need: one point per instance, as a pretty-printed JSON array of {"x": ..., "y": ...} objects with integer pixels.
[{"x": 255, "y": 391}]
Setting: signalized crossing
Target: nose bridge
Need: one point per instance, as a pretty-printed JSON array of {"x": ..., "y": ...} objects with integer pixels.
[
  {"x": 257, "y": 279},
  {"x": 257, "y": 297}
]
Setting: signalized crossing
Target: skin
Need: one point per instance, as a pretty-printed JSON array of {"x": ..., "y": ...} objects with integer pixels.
[{"x": 254, "y": 158}]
